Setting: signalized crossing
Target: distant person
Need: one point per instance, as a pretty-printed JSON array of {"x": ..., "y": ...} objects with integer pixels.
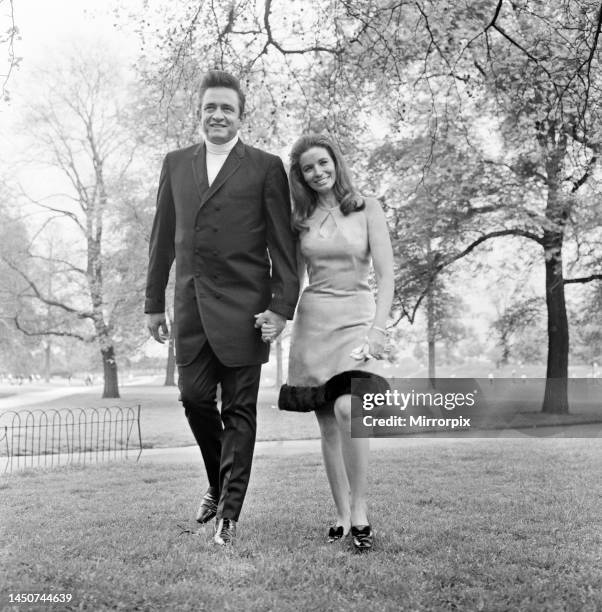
[
  {"x": 338, "y": 327},
  {"x": 223, "y": 213}
]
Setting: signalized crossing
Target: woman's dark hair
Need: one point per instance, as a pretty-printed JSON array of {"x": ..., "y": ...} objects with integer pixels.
[
  {"x": 220, "y": 78},
  {"x": 305, "y": 199}
]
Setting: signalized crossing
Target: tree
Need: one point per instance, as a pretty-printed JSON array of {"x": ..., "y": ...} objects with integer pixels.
[
  {"x": 527, "y": 72},
  {"x": 533, "y": 69},
  {"x": 135, "y": 215},
  {"x": 78, "y": 130},
  {"x": 587, "y": 329},
  {"x": 16, "y": 353},
  {"x": 540, "y": 72},
  {"x": 515, "y": 320}
]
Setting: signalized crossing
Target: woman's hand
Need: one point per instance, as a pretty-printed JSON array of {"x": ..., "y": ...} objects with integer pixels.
[
  {"x": 373, "y": 347},
  {"x": 376, "y": 340},
  {"x": 269, "y": 332}
]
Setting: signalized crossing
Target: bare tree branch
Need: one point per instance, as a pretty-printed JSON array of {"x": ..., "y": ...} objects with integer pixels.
[
  {"x": 274, "y": 43},
  {"x": 471, "y": 247},
  {"x": 583, "y": 279},
  {"x": 61, "y": 333},
  {"x": 180, "y": 52},
  {"x": 535, "y": 174},
  {"x": 588, "y": 62},
  {"x": 54, "y": 259},
  {"x": 80, "y": 314},
  {"x": 59, "y": 211},
  {"x": 436, "y": 269},
  {"x": 490, "y": 25},
  {"x": 11, "y": 35},
  {"x": 580, "y": 181}
]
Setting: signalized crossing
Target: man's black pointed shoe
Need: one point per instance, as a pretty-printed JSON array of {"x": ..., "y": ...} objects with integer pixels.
[
  {"x": 225, "y": 532},
  {"x": 207, "y": 509}
]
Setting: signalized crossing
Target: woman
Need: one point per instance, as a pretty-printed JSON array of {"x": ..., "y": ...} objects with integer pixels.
[{"x": 338, "y": 326}]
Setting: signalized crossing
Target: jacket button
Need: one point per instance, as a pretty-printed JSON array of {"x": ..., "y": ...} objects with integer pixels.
[
  {"x": 197, "y": 274},
  {"x": 215, "y": 229},
  {"x": 197, "y": 228},
  {"x": 216, "y": 252},
  {"x": 218, "y": 297}
]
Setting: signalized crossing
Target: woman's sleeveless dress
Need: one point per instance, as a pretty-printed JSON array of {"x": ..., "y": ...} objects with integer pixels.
[{"x": 337, "y": 307}]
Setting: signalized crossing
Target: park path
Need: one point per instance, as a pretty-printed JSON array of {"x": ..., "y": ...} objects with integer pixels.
[
  {"x": 39, "y": 396},
  {"x": 30, "y": 398},
  {"x": 265, "y": 448},
  {"x": 284, "y": 448},
  {"x": 192, "y": 454}
]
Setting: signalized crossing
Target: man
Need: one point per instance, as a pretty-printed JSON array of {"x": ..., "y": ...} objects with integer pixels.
[{"x": 223, "y": 213}]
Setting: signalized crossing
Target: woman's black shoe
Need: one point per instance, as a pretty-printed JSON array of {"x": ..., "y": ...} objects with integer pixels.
[
  {"x": 362, "y": 537},
  {"x": 336, "y": 532}
]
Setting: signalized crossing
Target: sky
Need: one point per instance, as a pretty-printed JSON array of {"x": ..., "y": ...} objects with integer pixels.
[
  {"x": 46, "y": 27},
  {"x": 43, "y": 25}
]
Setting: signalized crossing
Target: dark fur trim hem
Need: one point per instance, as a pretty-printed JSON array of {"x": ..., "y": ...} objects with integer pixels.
[{"x": 351, "y": 382}]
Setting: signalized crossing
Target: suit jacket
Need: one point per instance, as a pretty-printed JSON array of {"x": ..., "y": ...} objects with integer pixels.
[{"x": 234, "y": 249}]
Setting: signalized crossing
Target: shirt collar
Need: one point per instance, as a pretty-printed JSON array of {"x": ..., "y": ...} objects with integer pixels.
[{"x": 221, "y": 149}]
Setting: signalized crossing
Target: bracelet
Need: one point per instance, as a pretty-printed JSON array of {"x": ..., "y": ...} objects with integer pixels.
[{"x": 380, "y": 329}]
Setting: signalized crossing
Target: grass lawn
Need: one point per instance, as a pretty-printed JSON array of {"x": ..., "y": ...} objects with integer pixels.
[{"x": 460, "y": 525}]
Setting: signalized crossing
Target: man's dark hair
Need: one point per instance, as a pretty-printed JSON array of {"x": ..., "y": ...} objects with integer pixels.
[{"x": 220, "y": 78}]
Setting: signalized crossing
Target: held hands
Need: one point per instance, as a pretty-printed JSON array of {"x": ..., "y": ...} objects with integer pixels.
[
  {"x": 157, "y": 326},
  {"x": 271, "y": 325}
]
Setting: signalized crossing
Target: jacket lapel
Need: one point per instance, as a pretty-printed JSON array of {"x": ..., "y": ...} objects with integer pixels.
[
  {"x": 199, "y": 171},
  {"x": 230, "y": 166}
]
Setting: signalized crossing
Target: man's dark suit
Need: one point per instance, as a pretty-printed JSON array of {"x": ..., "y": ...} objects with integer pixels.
[{"x": 220, "y": 237}]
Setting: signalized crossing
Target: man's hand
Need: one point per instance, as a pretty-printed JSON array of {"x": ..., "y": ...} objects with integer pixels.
[
  {"x": 157, "y": 326},
  {"x": 271, "y": 325}
]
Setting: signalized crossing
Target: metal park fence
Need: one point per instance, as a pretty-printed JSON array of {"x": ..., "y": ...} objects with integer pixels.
[{"x": 49, "y": 438}]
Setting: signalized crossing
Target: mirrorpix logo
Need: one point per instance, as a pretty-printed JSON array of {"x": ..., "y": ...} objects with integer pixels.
[{"x": 395, "y": 400}]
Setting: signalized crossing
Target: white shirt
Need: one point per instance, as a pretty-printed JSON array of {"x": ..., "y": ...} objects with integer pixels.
[{"x": 216, "y": 156}]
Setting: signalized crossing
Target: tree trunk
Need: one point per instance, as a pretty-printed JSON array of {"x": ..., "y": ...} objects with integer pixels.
[
  {"x": 170, "y": 370},
  {"x": 556, "y": 394},
  {"x": 430, "y": 311},
  {"x": 111, "y": 389},
  {"x": 47, "y": 353},
  {"x": 430, "y": 333},
  {"x": 278, "y": 362},
  {"x": 505, "y": 360},
  {"x": 555, "y": 399}
]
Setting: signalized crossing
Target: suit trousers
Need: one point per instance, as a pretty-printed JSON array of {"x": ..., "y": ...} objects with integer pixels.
[{"x": 226, "y": 440}]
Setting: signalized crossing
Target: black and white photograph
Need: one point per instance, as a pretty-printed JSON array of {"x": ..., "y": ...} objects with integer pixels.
[{"x": 301, "y": 305}]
